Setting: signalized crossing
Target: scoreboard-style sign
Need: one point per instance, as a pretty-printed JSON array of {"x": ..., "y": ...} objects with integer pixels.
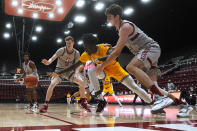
[
  {"x": 130, "y": 98},
  {"x": 53, "y": 10}
]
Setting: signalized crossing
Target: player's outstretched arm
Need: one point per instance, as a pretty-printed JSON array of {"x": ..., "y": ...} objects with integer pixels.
[
  {"x": 48, "y": 62},
  {"x": 72, "y": 67},
  {"x": 124, "y": 32}
]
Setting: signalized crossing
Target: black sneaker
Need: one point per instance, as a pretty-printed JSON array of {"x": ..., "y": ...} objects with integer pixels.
[{"x": 101, "y": 105}]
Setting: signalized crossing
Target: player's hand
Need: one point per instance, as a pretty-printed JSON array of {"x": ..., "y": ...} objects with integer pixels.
[
  {"x": 108, "y": 45},
  {"x": 113, "y": 48},
  {"x": 53, "y": 74},
  {"x": 45, "y": 62},
  {"x": 98, "y": 69},
  {"x": 93, "y": 62}
]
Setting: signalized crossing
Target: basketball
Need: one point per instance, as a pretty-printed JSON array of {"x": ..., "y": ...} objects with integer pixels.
[{"x": 31, "y": 81}]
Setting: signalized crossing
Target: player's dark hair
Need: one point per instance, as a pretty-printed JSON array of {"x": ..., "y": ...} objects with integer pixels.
[
  {"x": 69, "y": 38},
  {"x": 89, "y": 43},
  {"x": 114, "y": 9}
]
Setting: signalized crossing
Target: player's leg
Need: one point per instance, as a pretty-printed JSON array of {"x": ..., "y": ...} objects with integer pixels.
[
  {"x": 28, "y": 93},
  {"x": 78, "y": 79},
  {"x": 94, "y": 80},
  {"x": 130, "y": 83},
  {"x": 122, "y": 76},
  {"x": 54, "y": 82},
  {"x": 135, "y": 68},
  {"x": 35, "y": 98},
  {"x": 40, "y": 92},
  {"x": 88, "y": 94},
  {"x": 185, "y": 109},
  {"x": 145, "y": 58}
]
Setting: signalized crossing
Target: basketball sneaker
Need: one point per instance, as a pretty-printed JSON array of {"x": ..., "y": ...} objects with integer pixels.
[
  {"x": 44, "y": 109},
  {"x": 184, "y": 110},
  {"x": 101, "y": 105},
  {"x": 28, "y": 106},
  {"x": 35, "y": 107},
  {"x": 84, "y": 105},
  {"x": 159, "y": 112},
  {"x": 161, "y": 102}
]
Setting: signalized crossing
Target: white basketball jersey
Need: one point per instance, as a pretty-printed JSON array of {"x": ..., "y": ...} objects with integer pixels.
[
  {"x": 138, "y": 39},
  {"x": 28, "y": 70}
]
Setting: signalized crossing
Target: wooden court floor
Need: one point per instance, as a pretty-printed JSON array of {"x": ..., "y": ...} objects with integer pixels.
[{"x": 63, "y": 117}]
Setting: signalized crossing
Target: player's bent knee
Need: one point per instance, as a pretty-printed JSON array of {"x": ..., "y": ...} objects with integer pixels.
[{"x": 130, "y": 68}]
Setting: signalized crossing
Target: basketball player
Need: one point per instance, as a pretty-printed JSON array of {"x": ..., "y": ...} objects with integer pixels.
[
  {"x": 99, "y": 53},
  {"x": 108, "y": 88},
  {"x": 66, "y": 56},
  {"x": 146, "y": 51},
  {"x": 29, "y": 67}
]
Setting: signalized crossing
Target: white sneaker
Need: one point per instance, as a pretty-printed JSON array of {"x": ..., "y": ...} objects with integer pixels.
[
  {"x": 35, "y": 107},
  {"x": 28, "y": 107},
  {"x": 120, "y": 105},
  {"x": 161, "y": 103},
  {"x": 184, "y": 111}
]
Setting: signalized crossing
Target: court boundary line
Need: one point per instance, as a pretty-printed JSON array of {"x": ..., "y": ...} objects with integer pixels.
[{"x": 58, "y": 119}]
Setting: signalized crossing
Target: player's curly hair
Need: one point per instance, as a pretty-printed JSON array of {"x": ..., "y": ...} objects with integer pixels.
[
  {"x": 90, "y": 42},
  {"x": 89, "y": 39}
]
